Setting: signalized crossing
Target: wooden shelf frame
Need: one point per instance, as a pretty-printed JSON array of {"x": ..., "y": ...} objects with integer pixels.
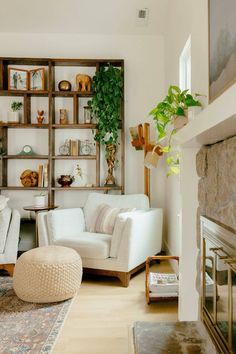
[{"x": 51, "y": 93}]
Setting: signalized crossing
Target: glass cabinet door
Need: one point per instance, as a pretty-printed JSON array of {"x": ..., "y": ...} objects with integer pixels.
[
  {"x": 209, "y": 278},
  {"x": 233, "y": 311},
  {"x": 222, "y": 297}
]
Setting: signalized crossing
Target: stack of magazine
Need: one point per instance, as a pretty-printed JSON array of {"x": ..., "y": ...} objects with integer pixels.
[{"x": 163, "y": 285}]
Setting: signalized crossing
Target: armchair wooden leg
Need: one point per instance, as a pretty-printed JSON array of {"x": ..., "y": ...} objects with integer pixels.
[
  {"x": 124, "y": 278},
  {"x": 8, "y": 267}
]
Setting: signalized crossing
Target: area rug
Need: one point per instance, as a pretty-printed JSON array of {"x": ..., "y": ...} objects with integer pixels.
[
  {"x": 27, "y": 327},
  {"x": 172, "y": 338}
]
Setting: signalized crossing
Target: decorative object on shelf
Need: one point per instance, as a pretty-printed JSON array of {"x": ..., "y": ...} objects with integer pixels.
[
  {"x": 63, "y": 116},
  {"x": 74, "y": 147},
  {"x": 14, "y": 116},
  {"x": 137, "y": 137},
  {"x": 40, "y": 200},
  {"x": 87, "y": 115},
  {"x": 83, "y": 83},
  {"x": 40, "y": 117},
  {"x": 64, "y": 149},
  {"x": 29, "y": 178},
  {"x": 105, "y": 105},
  {"x": 36, "y": 79},
  {"x": 79, "y": 171},
  {"x": 17, "y": 79},
  {"x": 65, "y": 180},
  {"x": 64, "y": 85},
  {"x": 85, "y": 147},
  {"x": 169, "y": 116},
  {"x": 2, "y": 150},
  {"x": 111, "y": 159},
  {"x": 27, "y": 150}
]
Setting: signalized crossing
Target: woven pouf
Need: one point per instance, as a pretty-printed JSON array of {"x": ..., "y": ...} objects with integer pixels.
[{"x": 47, "y": 274}]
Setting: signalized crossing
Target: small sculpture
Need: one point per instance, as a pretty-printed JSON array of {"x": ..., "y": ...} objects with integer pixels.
[
  {"x": 29, "y": 178},
  {"x": 40, "y": 117},
  {"x": 63, "y": 116},
  {"x": 83, "y": 83}
]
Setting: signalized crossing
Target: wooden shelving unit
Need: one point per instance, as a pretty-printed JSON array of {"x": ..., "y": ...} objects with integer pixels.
[{"x": 51, "y": 93}]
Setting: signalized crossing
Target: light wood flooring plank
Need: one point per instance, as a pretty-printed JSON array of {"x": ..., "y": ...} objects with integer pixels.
[{"x": 102, "y": 315}]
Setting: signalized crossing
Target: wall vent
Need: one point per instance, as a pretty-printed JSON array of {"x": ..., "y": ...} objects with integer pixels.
[{"x": 142, "y": 17}]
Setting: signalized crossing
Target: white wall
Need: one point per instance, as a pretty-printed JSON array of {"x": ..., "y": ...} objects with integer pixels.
[
  {"x": 144, "y": 86},
  {"x": 194, "y": 23},
  {"x": 186, "y": 18}
]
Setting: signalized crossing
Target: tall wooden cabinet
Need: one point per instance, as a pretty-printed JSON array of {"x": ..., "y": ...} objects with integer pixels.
[{"x": 55, "y": 70}]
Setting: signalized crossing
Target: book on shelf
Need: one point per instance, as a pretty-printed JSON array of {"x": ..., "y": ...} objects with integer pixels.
[
  {"x": 40, "y": 176},
  {"x": 45, "y": 175},
  {"x": 164, "y": 283},
  {"x": 74, "y": 147}
]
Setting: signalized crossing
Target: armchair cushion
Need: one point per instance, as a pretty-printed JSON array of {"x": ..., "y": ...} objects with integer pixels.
[
  {"x": 105, "y": 217},
  {"x": 120, "y": 223},
  {"x": 5, "y": 217},
  {"x": 66, "y": 223},
  {"x": 117, "y": 201},
  {"x": 88, "y": 244}
]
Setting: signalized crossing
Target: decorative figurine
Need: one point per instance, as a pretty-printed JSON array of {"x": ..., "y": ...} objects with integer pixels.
[
  {"x": 40, "y": 116},
  {"x": 83, "y": 83},
  {"x": 87, "y": 115},
  {"x": 63, "y": 116}
]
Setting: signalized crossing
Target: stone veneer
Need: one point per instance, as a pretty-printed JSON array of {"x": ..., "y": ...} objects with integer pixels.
[{"x": 216, "y": 167}]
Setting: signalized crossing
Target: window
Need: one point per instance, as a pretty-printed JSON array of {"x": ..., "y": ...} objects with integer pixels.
[{"x": 185, "y": 67}]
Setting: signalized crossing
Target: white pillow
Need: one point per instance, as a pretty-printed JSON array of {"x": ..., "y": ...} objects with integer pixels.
[
  {"x": 65, "y": 223},
  {"x": 104, "y": 218},
  {"x": 3, "y": 202},
  {"x": 5, "y": 217}
]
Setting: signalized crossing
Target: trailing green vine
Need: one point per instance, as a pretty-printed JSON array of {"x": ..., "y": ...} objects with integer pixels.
[{"x": 105, "y": 106}]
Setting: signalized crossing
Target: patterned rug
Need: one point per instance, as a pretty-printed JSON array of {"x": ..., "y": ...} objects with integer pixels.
[
  {"x": 172, "y": 338},
  {"x": 27, "y": 327}
]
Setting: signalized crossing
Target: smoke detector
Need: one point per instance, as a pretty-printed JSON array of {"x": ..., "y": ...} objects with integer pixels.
[{"x": 142, "y": 17}]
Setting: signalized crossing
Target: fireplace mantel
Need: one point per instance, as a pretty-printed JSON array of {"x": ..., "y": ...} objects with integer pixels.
[{"x": 215, "y": 123}]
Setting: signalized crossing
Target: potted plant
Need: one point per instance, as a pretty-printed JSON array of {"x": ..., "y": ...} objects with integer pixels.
[
  {"x": 169, "y": 116},
  {"x": 105, "y": 107},
  {"x": 14, "y": 116}
]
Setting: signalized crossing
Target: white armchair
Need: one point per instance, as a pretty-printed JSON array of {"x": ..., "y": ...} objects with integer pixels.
[
  {"x": 9, "y": 238},
  {"x": 136, "y": 235}
]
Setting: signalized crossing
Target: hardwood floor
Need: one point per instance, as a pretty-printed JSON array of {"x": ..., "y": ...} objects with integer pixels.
[{"x": 101, "y": 317}]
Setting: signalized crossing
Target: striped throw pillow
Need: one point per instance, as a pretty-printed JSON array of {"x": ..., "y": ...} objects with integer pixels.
[{"x": 104, "y": 218}]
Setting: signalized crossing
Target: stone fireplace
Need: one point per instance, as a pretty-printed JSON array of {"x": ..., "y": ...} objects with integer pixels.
[
  {"x": 216, "y": 167},
  {"x": 216, "y": 237},
  {"x": 209, "y": 139}
]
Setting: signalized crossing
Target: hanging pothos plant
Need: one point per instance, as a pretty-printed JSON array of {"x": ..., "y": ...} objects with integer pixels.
[
  {"x": 105, "y": 106},
  {"x": 107, "y": 86}
]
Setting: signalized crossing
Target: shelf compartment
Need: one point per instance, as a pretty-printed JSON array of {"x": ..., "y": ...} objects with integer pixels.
[
  {"x": 74, "y": 126},
  {"x": 23, "y": 125},
  {"x": 79, "y": 157},
  {"x": 23, "y": 92},
  {"x": 26, "y": 157},
  {"x": 99, "y": 188}
]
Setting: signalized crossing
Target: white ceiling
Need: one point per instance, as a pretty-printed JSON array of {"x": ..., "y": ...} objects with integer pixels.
[{"x": 82, "y": 16}]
